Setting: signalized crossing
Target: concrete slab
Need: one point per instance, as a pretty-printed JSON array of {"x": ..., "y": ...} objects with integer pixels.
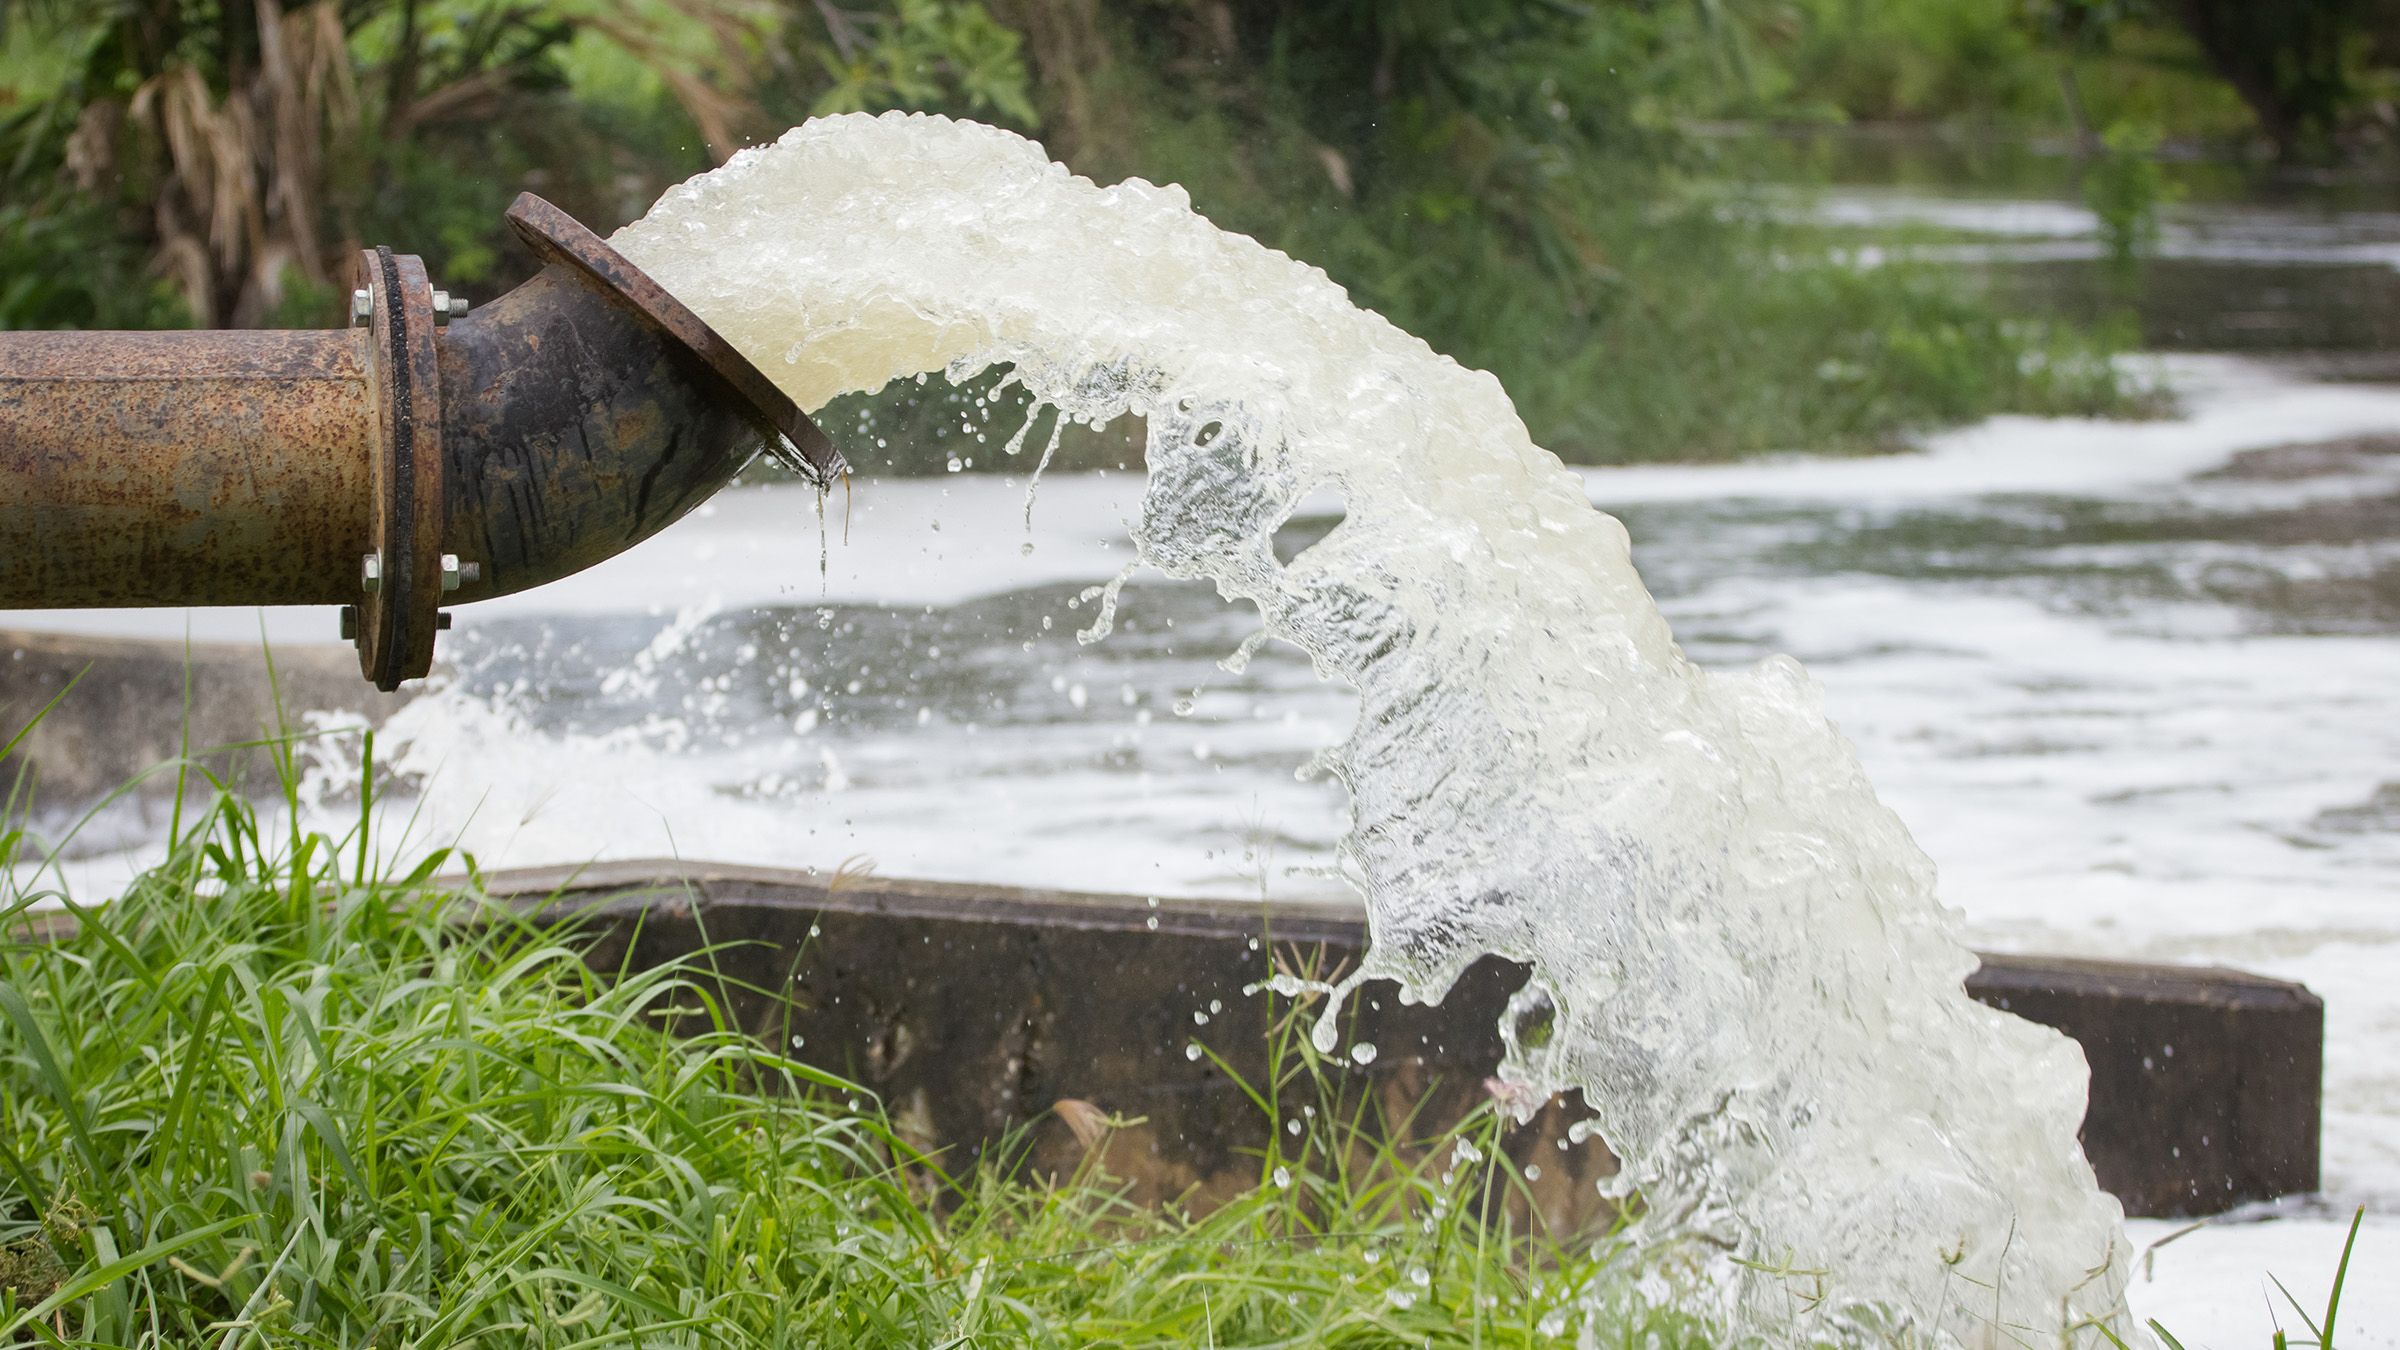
[{"x": 974, "y": 1010}]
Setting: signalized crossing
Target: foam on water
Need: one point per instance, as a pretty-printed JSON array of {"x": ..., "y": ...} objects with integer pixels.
[{"x": 1735, "y": 950}]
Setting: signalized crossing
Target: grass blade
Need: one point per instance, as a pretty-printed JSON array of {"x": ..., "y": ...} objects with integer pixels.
[
  {"x": 2341, "y": 1273},
  {"x": 2300, "y": 1312}
]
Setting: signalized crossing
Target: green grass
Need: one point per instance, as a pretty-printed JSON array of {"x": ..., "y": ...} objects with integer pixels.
[{"x": 275, "y": 1096}]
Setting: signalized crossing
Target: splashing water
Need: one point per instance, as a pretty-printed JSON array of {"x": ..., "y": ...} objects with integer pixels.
[{"x": 1735, "y": 949}]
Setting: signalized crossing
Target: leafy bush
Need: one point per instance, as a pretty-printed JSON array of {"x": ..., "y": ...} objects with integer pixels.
[
  {"x": 2125, "y": 187},
  {"x": 67, "y": 266}
]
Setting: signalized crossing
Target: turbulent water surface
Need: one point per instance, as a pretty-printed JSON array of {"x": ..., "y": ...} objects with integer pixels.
[{"x": 1736, "y": 950}]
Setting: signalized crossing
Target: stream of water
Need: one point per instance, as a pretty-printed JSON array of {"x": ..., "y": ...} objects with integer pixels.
[{"x": 1735, "y": 950}]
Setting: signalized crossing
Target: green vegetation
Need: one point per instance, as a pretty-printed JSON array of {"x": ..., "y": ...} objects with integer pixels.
[
  {"x": 1512, "y": 181},
  {"x": 275, "y": 1096},
  {"x": 2125, "y": 188},
  {"x": 2312, "y": 81},
  {"x": 243, "y": 151}
]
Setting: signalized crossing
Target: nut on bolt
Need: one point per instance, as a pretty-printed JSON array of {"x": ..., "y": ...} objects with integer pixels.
[
  {"x": 362, "y": 305},
  {"x": 448, "y": 306},
  {"x": 370, "y": 573}
]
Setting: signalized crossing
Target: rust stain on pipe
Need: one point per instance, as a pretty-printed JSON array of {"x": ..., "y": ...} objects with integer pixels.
[{"x": 182, "y": 468}]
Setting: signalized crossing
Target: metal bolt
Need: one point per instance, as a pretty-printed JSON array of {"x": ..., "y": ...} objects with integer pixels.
[
  {"x": 441, "y": 304},
  {"x": 349, "y": 623},
  {"x": 450, "y": 572},
  {"x": 362, "y": 305},
  {"x": 370, "y": 573},
  {"x": 456, "y": 305}
]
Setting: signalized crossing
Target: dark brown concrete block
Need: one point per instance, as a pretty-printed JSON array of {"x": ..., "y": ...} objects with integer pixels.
[
  {"x": 973, "y": 1010},
  {"x": 2207, "y": 1083}
]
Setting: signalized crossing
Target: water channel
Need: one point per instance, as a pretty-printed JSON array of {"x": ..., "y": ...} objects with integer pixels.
[{"x": 2135, "y": 686}]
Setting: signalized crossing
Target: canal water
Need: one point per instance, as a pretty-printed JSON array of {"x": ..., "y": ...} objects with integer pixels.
[{"x": 2135, "y": 686}]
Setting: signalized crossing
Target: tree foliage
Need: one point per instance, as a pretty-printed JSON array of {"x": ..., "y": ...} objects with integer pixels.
[
  {"x": 245, "y": 149},
  {"x": 2294, "y": 64},
  {"x": 2306, "y": 77}
]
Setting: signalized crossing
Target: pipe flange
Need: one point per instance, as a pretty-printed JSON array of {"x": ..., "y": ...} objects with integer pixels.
[
  {"x": 556, "y": 237},
  {"x": 399, "y": 609}
]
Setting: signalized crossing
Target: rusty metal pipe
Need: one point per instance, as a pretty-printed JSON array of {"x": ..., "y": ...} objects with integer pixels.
[
  {"x": 392, "y": 469},
  {"x": 182, "y": 468}
]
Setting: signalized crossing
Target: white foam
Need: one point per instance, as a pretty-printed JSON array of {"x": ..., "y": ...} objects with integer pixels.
[{"x": 2231, "y": 405}]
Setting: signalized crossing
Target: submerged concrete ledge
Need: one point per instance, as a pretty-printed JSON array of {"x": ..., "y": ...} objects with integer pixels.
[
  {"x": 139, "y": 702},
  {"x": 974, "y": 1010}
]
